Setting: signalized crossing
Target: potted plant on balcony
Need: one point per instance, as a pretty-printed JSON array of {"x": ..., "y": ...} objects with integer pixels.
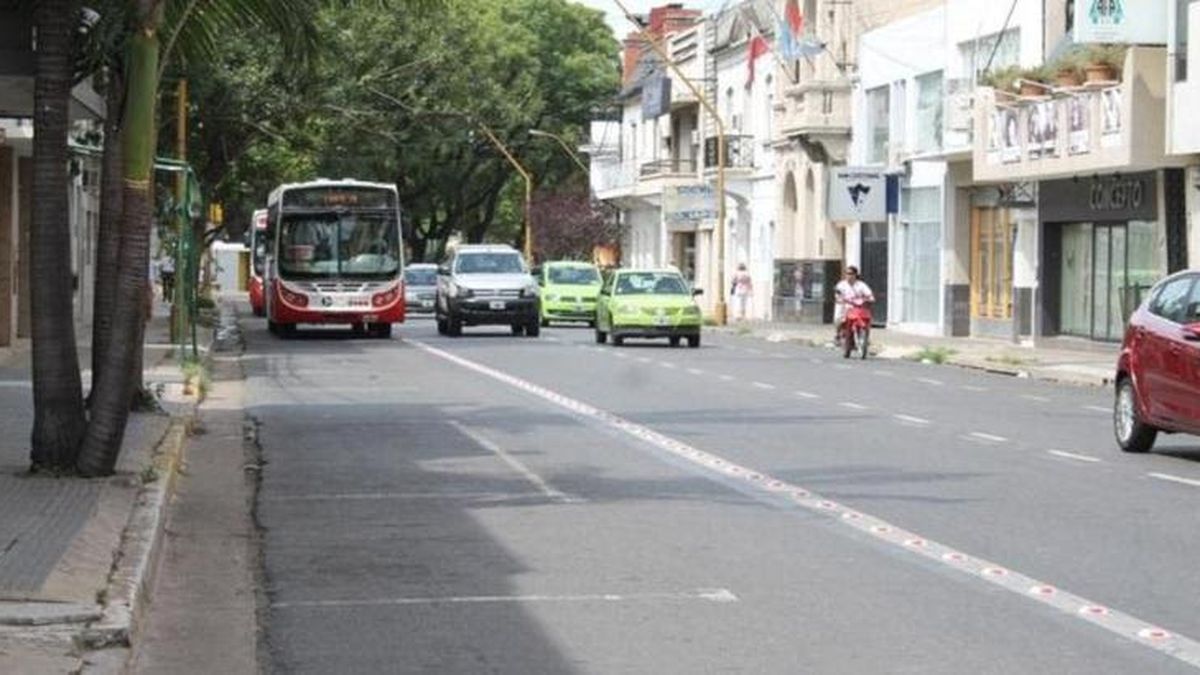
[
  {"x": 1034, "y": 81},
  {"x": 1104, "y": 62},
  {"x": 1068, "y": 71},
  {"x": 1001, "y": 79}
]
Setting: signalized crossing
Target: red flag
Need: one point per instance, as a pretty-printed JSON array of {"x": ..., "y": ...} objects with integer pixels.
[
  {"x": 795, "y": 19},
  {"x": 758, "y": 46}
]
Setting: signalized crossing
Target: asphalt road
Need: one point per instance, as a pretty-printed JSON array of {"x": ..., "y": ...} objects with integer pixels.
[{"x": 520, "y": 505}]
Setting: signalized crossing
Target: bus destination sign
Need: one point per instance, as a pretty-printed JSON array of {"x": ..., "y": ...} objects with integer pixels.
[{"x": 334, "y": 197}]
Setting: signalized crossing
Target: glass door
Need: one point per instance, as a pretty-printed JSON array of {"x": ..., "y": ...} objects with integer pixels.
[{"x": 1076, "y": 291}]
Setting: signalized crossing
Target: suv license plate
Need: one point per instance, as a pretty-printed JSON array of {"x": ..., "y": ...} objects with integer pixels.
[
  {"x": 661, "y": 321},
  {"x": 370, "y": 318},
  {"x": 496, "y": 304}
]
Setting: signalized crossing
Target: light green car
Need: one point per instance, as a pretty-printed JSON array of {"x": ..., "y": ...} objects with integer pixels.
[
  {"x": 569, "y": 291},
  {"x": 645, "y": 303}
]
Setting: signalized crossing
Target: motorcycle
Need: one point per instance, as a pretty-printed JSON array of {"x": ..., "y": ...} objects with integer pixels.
[{"x": 856, "y": 330}]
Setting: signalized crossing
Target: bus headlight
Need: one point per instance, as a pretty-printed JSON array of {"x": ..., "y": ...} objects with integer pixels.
[
  {"x": 292, "y": 297},
  {"x": 385, "y": 298}
]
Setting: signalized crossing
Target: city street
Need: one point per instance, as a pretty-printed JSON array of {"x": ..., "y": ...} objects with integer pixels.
[{"x": 504, "y": 504}]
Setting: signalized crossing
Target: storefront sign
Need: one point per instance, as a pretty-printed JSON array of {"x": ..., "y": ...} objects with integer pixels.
[
  {"x": 1142, "y": 22},
  {"x": 656, "y": 96},
  {"x": 857, "y": 194},
  {"x": 1107, "y": 198},
  {"x": 688, "y": 207}
]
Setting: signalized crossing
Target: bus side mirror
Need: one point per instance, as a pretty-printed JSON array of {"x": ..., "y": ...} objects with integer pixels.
[
  {"x": 697, "y": 291},
  {"x": 444, "y": 270}
]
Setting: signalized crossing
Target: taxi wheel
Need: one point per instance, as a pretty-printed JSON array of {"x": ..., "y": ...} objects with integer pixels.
[
  {"x": 618, "y": 340},
  {"x": 693, "y": 341},
  {"x": 533, "y": 329},
  {"x": 601, "y": 336},
  {"x": 545, "y": 323},
  {"x": 517, "y": 329},
  {"x": 674, "y": 340}
]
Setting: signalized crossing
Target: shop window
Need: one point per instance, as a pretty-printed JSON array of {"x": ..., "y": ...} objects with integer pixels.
[
  {"x": 920, "y": 259},
  {"x": 877, "y": 124},
  {"x": 929, "y": 112},
  {"x": 991, "y": 263}
]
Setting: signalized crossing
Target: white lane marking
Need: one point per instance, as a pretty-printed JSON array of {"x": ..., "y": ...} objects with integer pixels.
[
  {"x": 815, "y": 360},
  {"x": 727, "y": 378},
  {"x": 883, "y": 373},
  {"x": 911, "y": 420},
  {"x": 17, "y": 384},
  {"x": 516, "y": 465},
  {"x": 1035, "y": 397},
  {"x": 1183, "y": 648},
  {"x": 667, "y": 364},
  {"x": 751, "y": 350},
  {"x": 695, "y": 371},
  {"x": 991, "y": 438},
  {"x": 763, "y": 385},
  {"x": 853, "y": 406},
  {"x": 1075, "y": 456},
  {"x": 973, "y": 387},
  {"x": 1175, "y": 479},
  {"x": 551, "y": 338},
  {"x": 620, "y": 355},
  {"x": 704, "y": 595},
  {"x": 643, "y": 359},
  {"x": 1097, "y": 408},
  {"x": 384, "y": 496},
  {"x": 931, "y": 381},
  {"x": 806, "y": 394},
  {"x": 842, "y": 366}
]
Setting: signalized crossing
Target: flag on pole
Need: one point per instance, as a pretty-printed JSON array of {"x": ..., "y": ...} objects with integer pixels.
[
  {"x": 793, "y": 44},
  {"x": 757, "y": 47},
  {"x": 795, "y": 20}
]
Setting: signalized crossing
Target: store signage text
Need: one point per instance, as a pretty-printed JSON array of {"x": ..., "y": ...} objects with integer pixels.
[{"x": 1117, "y": 195}]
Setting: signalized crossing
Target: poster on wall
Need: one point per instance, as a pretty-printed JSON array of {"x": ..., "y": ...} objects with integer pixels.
[
  {"x": 1010, "y": 136},
  {"x": 688, "y": 207},
  {"x": 1078, "y": 134},
  {"x": 1110, "y": 115},
  {"x": 995, "y": 132},
  {"x": 1142, "y": 22},
  {"x": 857, "y": 194},
  {"x": 1041, "y": 129}
]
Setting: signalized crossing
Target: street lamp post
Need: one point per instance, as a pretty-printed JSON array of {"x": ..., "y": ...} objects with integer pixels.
[
  {"x": 719, "y": 309},
  {"x": 528, "y": 187},
  {"x": 565, "y": 146}
]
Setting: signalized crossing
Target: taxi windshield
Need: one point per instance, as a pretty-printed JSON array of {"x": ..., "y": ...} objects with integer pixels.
[
  {"x": 573, "y": 276},
  {"x": 650, "y": 283}
]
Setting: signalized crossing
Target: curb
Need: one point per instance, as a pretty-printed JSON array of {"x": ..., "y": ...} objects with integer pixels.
[
  {"x": 1033, "y": 373},
  {"x": 136, "y": 558}
]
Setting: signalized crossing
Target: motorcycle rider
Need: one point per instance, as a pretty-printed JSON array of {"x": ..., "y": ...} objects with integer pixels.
[{"x": 850, "y": 291}]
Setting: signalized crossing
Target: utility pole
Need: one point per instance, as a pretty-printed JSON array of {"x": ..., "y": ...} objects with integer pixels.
[
  {"x": 719, "y": 310},
  {"x": 178, "y": 297}
]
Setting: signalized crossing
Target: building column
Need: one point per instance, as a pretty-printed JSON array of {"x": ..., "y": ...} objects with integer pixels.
[
  {"x": 24, "y": 220},
  {"x": 7, "y": 269}
]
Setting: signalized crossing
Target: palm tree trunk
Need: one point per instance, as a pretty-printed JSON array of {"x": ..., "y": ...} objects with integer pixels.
[
  {"x": 59, "y": 422},
  {"x": 108, "y": 238},
  {"x": 114, "y": 385}
]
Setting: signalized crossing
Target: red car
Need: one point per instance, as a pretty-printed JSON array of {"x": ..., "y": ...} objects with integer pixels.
[{"x": 1158, "y": 372}]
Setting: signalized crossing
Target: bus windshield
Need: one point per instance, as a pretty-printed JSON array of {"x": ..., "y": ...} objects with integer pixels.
[
  {"x": 259, "y": 241},
  {"x": 339, "y": 244}
]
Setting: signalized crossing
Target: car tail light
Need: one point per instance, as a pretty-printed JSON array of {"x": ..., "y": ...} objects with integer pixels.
[
  {"x": 386, "y": 298},
  {"x": 293, "y": 298}
]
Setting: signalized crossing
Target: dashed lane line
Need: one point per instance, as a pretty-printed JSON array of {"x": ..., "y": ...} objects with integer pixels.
[
  {"x": 1175, "y": 479},
  {"x": 727, "y": 378},
  {"x": 1097, "y": 409},
  {"x": 763, "y": 385},
  {"x": 974, "y": 387},
  {"x": 991, "y": 438},
  {"x": 930, "y": 381},
  {"x": 852, "y": 405},
  {"x": 719, "y": 595},
  {"x": 1036, "y": 398},
  {"x": 695, "y": 371},
  {"x": 1139, "y": 631},
  {"x": 909, "y": 419},
  {"x": 806, "y": 394},
  {"x": 1075, "y": 456},
  {"x": 515, "y": 464},
  {"x": 667, "y": 364}
]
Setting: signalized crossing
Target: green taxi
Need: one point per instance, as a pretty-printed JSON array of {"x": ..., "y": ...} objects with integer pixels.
[
  {"x": 647, "y": 303},
  {"x": 569, "y": 291}
]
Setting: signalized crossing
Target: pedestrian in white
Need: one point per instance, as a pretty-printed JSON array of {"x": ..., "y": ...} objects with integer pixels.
[{"x": 743, "y": 291}]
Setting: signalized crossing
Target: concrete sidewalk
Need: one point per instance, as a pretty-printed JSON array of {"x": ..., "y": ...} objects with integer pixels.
[
  {"x": 1066, "y": 360},
  {"x": 61, "y": 540}
]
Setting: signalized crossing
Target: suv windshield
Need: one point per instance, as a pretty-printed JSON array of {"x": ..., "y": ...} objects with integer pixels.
[
  {"x": 573, "y": 276},
  {"x": 423, "y": 276},
  {"x": 489, "y": 263},
  {"x": 339, "y": 245},
  {"x": 650, "y": 283}
]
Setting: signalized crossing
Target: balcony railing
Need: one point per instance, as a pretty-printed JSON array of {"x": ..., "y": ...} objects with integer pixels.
[
  {"x": 739, "y": 152},
  {"x": 666, "y": 167},
  {"x": 610, "y": 175}
]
